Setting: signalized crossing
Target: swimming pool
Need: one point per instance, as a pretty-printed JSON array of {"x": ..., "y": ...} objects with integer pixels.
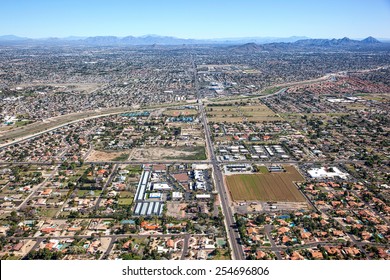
[{"x": 284, "y": 217}]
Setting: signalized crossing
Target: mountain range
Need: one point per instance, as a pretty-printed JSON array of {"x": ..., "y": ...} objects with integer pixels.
[
  {"x": 239, "y": 44},
  {"x": 148, "y": 40}
]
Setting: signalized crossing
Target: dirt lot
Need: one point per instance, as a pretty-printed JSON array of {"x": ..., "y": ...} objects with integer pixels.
[
  {"x": 158, "y": 153},
  {"x": 276, "y": 186},
  {"x": 175, "y": 209},
  {"x": 103, "y": 156}
]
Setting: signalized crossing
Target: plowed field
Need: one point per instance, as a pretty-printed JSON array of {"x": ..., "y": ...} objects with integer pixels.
[{"x": 277, "y": 186}]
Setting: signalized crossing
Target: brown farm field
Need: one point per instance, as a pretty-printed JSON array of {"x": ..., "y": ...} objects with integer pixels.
[{"x": 277, "y": 186}]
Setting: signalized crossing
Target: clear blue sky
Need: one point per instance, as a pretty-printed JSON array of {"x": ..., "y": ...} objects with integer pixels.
[{"x": 196, "y": 18}]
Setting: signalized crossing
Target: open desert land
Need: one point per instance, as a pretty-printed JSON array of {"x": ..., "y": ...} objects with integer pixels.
[{"x": 274, "y": 186}]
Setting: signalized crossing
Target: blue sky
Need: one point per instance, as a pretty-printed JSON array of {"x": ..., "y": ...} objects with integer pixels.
[{"x": 196, "y": 18}]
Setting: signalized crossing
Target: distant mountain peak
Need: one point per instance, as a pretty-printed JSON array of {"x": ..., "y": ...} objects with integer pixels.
[
  {"x": 249, "y": 47},
  {"x": 12, "y": 38},
  {"x": 370, "y": 40},
  {"x": 345, "y": 40},
  {"x": 337, "y": 42}
]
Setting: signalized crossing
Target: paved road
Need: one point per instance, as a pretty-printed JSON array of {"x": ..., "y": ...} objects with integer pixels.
[
  {"x": 109, "y": 249},
  {"x": 185, "y": 246},
  {"x": 36, "y": 245},
  {"x": 37, "y": 188},
  {"x": 108, "y": 182},
  {"x": 373, "y": 209},
  {"x": 274, "y": 248},
  {"x": 56, "y": 122},
  {"x": 106, "y": 236},
  {"x": 190, "y": 161},
  {"x": 353, "y": 240},
  {"x": 230, "y": 224}
]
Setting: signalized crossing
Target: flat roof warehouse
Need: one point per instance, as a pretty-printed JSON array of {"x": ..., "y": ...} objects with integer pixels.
[{"x": 143, "y": 207}]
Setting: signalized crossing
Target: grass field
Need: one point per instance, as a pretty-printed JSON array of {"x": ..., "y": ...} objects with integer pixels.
[
  {"x": 182, "y": 112},
  {"x": 259, "y": 113},
  {"x": 266, "y": 186},
  {"x": 233, "y": 114},
  {"x": 125, "y": 201}
]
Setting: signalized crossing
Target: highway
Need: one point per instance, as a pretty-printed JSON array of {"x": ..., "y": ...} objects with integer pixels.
[{"x": 35, "y": 129}]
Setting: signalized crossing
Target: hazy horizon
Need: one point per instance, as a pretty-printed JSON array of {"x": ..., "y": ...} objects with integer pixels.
[
  {"x": 215, "y": 39},
  {"x": 196, "y": 19}
]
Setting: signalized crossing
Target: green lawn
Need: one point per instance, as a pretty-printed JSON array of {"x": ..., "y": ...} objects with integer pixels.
[
  {"x": 221, "y": 255},
  {"x": 49, "y": 212},
  {"x": 126, "y": 194},
  {"x": 125, "y": 201},
  {"x": 134, "y": 169},
  {"x": 263, "y": 169},
  {"x": 22, "y": 123}
]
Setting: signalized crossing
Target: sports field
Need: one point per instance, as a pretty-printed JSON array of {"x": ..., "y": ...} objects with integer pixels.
[{"x": 274, "y": 186}]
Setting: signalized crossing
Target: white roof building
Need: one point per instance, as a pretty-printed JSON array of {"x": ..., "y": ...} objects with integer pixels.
[
  {"x": 327, "y": 173},
  {"x": 161, "y": 186},
  {"x": 200, "y": 196},
  {"x": 177, "y": 195}
]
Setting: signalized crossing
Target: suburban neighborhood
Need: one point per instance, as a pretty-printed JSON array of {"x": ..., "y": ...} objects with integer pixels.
[{"x": 194, "y": 153}]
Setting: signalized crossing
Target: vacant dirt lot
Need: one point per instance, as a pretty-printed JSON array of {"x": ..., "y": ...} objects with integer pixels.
[
  {"x": 158, "y": 153},
  {"x": 266, "y": 187},
  {"x": 176, "y": 210},
  {"x": 103, "y": 156}
]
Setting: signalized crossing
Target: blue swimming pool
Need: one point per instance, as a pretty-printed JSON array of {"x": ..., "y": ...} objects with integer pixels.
[{"x": 284, "y": 217}]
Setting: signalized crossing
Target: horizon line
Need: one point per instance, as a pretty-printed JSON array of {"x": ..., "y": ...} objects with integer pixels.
[{"x": 189, "y": 38}]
